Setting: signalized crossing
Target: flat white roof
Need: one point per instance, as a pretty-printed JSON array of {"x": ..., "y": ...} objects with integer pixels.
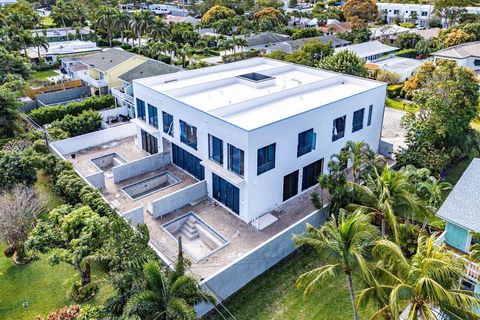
[
  {"x": 283, "y": 90},
  {"x": 398, "y": 63},
  {"x": 367, "y": 49}
]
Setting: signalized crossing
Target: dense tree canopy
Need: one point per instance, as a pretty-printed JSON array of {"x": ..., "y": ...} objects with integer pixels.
[
  {"x": 365, "y": 10},
  {"x": 345, "y": 62},
  {"x": 216, "y": 13}
]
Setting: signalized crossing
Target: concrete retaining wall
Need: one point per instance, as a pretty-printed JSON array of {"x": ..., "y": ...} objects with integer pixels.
[
  {"x": 96, "y": 138},
  {"x": 240, "y": 272},
  {"x": 140, "y": 166},
  {"x": 63, "y": 96},
  {"x": 385, "y": 149},
  {"x": 97, "y": 180},
  {"x": 178, "y": 199},
  {"x": 135, "y": 216}
]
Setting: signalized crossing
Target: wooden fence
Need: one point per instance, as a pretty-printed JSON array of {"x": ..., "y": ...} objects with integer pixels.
[{"x": 32, "y": 93}]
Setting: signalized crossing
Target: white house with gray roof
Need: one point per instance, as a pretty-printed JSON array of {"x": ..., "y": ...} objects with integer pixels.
[
  {"x": 369, "y": 51},
  {"x": 465, "y": 55},
  {"x": 256, "y": 127},
  {"x": 461, "y": 212}
]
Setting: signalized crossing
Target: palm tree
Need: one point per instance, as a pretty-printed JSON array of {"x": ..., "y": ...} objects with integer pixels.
[
  {"x": 62, "y": 10},
  {"x": 167, "y": 295},
  {"x": 159, "y": 29},
  {"x": 344, "y": 245},
  {"x": 120, "y": 22},
  {"x": 241, "y": 42},
  {"x": 360, "y": 154},
  {"x": 106, "y": 20},
  {"x": 425, "y": 284},
  {"x": 39, "y": 41},
  {"x": 386, "y": 195},
  {"x": 140, "y": 22}
]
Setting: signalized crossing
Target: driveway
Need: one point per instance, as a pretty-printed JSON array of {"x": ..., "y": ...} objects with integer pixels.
[{"x": 392, "y": 131}]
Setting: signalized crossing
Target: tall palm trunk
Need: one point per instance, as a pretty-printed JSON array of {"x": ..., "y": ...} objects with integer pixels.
[
  {"x": 64, "y": 26},
  {"x": 121, "y": 36},
  {"x": 352, "y": 295},
  {"x": 139, "y": 34},
  {"x": 384, "y": 227}
]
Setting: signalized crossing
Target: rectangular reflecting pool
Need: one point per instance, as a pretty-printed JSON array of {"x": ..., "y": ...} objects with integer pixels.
[
  {"x": 150, "y": 185},
  {"x": 198, "y": 238},
  {"x": 108, "y": 161}
]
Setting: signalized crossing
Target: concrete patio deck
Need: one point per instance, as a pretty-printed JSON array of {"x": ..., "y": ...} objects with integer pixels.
[{"x": 243, "y": 237}]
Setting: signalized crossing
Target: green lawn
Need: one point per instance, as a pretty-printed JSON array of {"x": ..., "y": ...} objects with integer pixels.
[
  {"x": 400, "y": 105},
  {"x": 273, "y": 295},
  {"x": 457, "y": 170},
  {"x": 47, "y": 21},
  {"x": 43, "y": 75},
  {"x": 45, "y": 287}
]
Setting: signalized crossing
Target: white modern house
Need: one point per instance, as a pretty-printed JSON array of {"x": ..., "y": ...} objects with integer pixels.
[
  {"x": 421, "y": 14},
  {"x": 369, "y": 51},
  {"x": 259, "y": 131},
  {"x": 404, "y": 67}
]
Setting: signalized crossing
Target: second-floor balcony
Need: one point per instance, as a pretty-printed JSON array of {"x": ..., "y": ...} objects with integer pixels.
[
  {"x": 120, "y": 93},
  {"x": 91, "y": 81}
]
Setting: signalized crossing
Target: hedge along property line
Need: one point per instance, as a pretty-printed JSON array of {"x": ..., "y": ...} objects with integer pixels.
[
  {"x": 240, "y": 56},
  {"x": 48, "y": 114},
  {"x": 85, "y": 122}
]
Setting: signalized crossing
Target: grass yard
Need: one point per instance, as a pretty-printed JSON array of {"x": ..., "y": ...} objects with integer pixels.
[
  {"x": 400, "y": 105},
  {"x": 45, "y": 287},
  {"x": 273, "y": 295},
  {"x": 457, "y": 170},
  {"x": 43, "y": 75},
  {"x": 47, "y": 21}
]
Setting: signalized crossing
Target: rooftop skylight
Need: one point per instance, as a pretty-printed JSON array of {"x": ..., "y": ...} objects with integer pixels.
[{"x": 255, "y": 77}]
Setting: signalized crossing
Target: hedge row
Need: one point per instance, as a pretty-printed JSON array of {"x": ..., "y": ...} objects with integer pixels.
[
  {"x": 85, "y": 122},
  {"x": 407, "y": 53},
  {"x": 48, "y": 114},
  {"x": 240, "y": 56},
  {"x": 394, "y": 91}
]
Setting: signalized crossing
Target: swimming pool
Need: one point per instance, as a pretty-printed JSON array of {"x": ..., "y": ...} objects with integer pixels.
[{"x": 150, "y": 185}]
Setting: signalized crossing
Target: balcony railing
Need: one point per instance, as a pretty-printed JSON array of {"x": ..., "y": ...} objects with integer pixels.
[
  {"x": 93, "y": 82},
  {"x": 473, "y": 269},
  {"x": 119, "y": 93}
]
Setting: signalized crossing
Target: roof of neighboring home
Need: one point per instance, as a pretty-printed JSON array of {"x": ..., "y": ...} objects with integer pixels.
[
  {"x": 107, "y": 59},
  {"x": 190, "y": 19},
  {"x": 366, "y": 49},
  {"x": 465, "y": 50},
  {"x": 462, "y": 206},
  {"x": 397, "y": 64},
  {"x": 57, "y": 32},
  {"x": 388, "y": 30},
  {"x": 337, "y": 27},
  {"x": 336, "y": 42},
  {"x": 266, "y": 38},
  {"x": 427, "y": 33},
  {"x": 147, "y": 69}
]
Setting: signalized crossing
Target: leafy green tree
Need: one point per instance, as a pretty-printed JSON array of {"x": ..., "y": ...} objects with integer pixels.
[
  {"x": 72, "y": 236},
  {"x": 440, "y": 133},
  {"x": 167, "y": 295},
  {"x": 121, "y": 21},
  {"x": 356, "y": 36},
  {"x": 407, "y": 40},
  {"x": 345, "y": 62},
  {"x": 16, "y": 168},
  {"x": 62, "y": 12},
  {"x": 9, "y": 113},
  {"x": 140, "y": 23},
  {"x": 106, "y": 21},
  {"x": 427, "y": 281},
  {"x": 159, "y": 29},
  {"x": 38, "y": 42},
  {"x": 451, "y": 10},
  {"x": 216, "y": 13},
  {"x": 344, "y": 245},
  {"x": 365, "y": 10}
]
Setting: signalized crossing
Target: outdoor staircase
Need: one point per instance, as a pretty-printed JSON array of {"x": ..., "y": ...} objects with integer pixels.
[{"x": 189, "y": 229}]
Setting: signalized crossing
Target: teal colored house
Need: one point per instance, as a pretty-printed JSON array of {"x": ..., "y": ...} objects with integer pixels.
[{"x": 461, "y": 212}]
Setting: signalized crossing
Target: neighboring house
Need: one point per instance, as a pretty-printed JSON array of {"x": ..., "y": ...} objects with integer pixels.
[
  {"x": 61, "y": 49},
  {"x": 124, "y": 94},
  {"x": 388, "y": 32},
  {"x": 290, "y": 46},
  {"x": 404, "y": 67},
  {"x": 421, "y": 14},
  {"x": 427, "y": 33},
  {"x": 265, "y": 38},
  {"x": 104, "y": 68},
  {"x": 256, "y": 127},
  {"x": 461, "y": 212},
  {"x": 334, "y": 28},
  {"x": 369, "y": 51},
  {"x": 465, "y": 55},
  {"x": 7, "y": 2},
  {"x": 63, "y": 34}
]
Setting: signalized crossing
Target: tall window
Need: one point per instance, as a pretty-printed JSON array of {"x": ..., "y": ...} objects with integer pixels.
[
  {"x": 357, "y": 123},
  {"x": 141, "y": 109},
  {"x": 311, "y": 173},
  {"x": 338, "y": 128},
  {"x": 188, "y": 134},
  {"x": 152, "y": 116},
  {"x": 215, "y": 149},
  {"x": 235, "y": 160},
  {"x": 370, "y": 111},
  {"x": 265, "y": 159},
  {"x": 167, "y": 123},
  {"x": 306, "y": 142}
]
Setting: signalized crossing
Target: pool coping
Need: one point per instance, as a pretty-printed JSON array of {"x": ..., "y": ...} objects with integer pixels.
[
  {"x": 148, "y": 178},
  {"x": 227, "y": 242}
]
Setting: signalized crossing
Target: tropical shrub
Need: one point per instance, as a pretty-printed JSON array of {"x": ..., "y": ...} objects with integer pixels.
[
  {"x": 49, "y": 114},
  {"x": 85, "y": 122},
  {"x": 80, "y": 294},
  {"x": 240, "y": 56},
  {"x": 407, "y": 53},
  {"x": 394, "y": 91}
]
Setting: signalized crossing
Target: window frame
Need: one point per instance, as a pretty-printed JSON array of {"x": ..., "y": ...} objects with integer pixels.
[
  {"x": 231, "y": 149},
  {"x": 141, "y": 107},
  {"x": 307, "y": 141},
  {"x": 212, "y": 140},
  {"x": 187, "y": 131},
  {"x": 268, "y": 164},
  {"x": 153, "y": 121},
  {"x": 370, "y": 114},
  {"x": 339, "y": 136},
  {"x": 168, "y": 130},
  {"x": 359, "y": 125}
]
